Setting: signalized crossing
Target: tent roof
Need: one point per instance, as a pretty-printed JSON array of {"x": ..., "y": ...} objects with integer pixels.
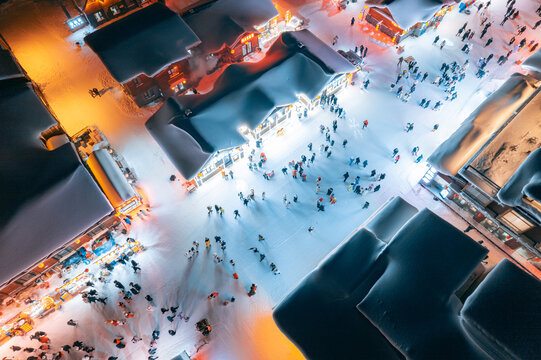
[
  {"x": 244, "y": 95},
  {"x": 223, "y": 21},
  {"x": 48, "y": 197},
  {"x": 144, "y": 42}
]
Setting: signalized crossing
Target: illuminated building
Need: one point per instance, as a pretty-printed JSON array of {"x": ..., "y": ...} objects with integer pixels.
[
  {"x": 489, "y": 169},
  {"x": 202, "y": 134},
  {"x": 179, "y": 50},
  {"x": 52, "y": 203}
]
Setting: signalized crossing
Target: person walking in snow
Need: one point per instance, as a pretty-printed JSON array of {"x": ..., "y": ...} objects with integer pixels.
[
  {"x": 395, "y": 151},
  {"x": 352, "y": 21},
  {"x": 436, "y": 39},
  {"x": 442, "y": 44},
  {"x": 366, "y": 205},
  {"x": 236, "y": 212},
  {"x": 373, "y": 173},
  {"x": 365, "y": 124},
  {"x": 366, "y": 84},
  {"x": 346, "y": 176},
  {"x": 419, "y": 158},
  {"x": 396, "y": 159}
]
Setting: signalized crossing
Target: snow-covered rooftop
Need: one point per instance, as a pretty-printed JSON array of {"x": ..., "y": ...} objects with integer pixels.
[
  {"x": 223, "y": 21},
  {"x": 409, "y": 12},
  {"x": 144, "y": 42},
  {"x": 477, "y": 129},
  {"x": 405, "y": 290},
  {"x": 9, "y": 69},
  {"x": 48, "y": 197},
  {"x": 505, "y": 307},
  {"x": 244, "y": 95},
  {"x": 533, "y": 64},
  {"x": 526, "y": 180},
  {"x": 499, "y": 160}
]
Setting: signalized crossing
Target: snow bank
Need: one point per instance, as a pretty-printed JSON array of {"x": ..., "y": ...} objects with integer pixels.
[
  {"x": 453, "y": 153},
  {"x": 409, "y": 12},
  {"x": 526, "y": 181}
]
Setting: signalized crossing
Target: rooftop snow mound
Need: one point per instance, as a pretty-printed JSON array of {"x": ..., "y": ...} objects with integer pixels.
[
  {"x": 222, "y": 22},
  {"x": 409, "y": 12},
  {"x": 505, "y": 307},
  {"x": 533, "y": 64},
  {"x": 48, "y": 197},
  {"x": 244, "y": 95},
  {"x": 526, "y": 181},
  {"x": 409, "y": 281},
  {"x": 454, "y": 152},
  {"x": 406, "y": 290},
  {"x": 501, "y": 156},
  {"x": 143, "y": 42}
]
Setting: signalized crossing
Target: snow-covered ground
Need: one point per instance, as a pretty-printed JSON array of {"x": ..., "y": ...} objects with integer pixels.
[{"x": 244, "y": 329}]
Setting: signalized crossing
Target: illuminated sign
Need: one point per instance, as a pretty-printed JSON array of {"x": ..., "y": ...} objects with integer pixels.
[
  {"x": 76, "y": 22},
  {"x": 247, "y": 38}
]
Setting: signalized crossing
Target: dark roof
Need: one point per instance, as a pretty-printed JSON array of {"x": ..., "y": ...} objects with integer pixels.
[
  {"x": 505, "y": 307},
  {"x": 48, "y": 197},
  {"x": 144, "y": 42},
  {"x": 369, "y": 300},
  {"x": 245, "y": 94},
  {"x": 223, "y": 21},
  {"x": 9, "y": 68}
]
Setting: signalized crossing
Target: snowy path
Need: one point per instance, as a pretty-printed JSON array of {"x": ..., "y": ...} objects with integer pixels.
[{"x": 244, "y": 330}]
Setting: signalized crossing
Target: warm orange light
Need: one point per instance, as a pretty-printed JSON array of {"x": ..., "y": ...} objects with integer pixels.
[
  {"x": 77, "y": 241},
  {"x": 232, "y": 51},
  {"x": 246, "y": 38},
  {"x": 41, "y": 265}
]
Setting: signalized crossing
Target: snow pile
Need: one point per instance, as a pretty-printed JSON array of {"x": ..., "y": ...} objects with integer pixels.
[
  {"x": 526, "y": 181},
  {"x": 453, "y": 153},
  {"x": 409, "y": 12},
  {"x": 506, "y": 307},
  {"x": 245, "y": 95},
  {"x": 144, "y": 42},
  {"x": 533, "y": 64}
]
